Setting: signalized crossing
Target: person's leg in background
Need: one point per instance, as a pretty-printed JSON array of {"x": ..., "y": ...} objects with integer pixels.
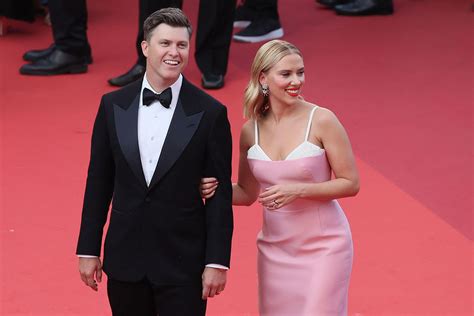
[
  {"x": 264, "y": 21},
  {"x": 69, "y": 24},
  {"x": 71, "y": 52},
  {"x": 214, "y": 34}
]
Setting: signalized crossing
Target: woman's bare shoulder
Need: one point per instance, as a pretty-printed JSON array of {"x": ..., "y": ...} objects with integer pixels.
[
  {"x": 247, "y": 132},
  {"x": 324, "y": 116},
  {"x": 248, "y": 128}
]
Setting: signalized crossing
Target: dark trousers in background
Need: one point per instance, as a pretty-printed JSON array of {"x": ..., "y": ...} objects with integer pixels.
[
  {"x": 69, "y": 24},
  {"x": 264, "y": 8},
  {"x": 144, "y": 299},
  {"x": 214, "y": 34},
  {"x": 18, "y": 9}
]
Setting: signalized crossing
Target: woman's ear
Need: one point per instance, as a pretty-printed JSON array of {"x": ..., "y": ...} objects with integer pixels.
[{"x": 262, "y": 78}]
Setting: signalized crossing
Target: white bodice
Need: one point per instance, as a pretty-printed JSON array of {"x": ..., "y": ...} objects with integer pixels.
[{"x": 305, "y": 149}]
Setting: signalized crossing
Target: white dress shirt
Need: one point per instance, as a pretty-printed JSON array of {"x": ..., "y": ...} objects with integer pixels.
[{"x": 153, "y": 123}]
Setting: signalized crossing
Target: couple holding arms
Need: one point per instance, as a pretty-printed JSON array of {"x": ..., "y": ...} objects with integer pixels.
[{"x": 160, "y": 144}]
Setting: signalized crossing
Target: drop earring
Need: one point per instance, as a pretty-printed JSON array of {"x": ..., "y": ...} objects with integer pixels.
[{"x": 265, "y": 90}]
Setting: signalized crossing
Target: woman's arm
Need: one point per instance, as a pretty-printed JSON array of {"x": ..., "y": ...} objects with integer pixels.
[{"x": 246, "y": 190}]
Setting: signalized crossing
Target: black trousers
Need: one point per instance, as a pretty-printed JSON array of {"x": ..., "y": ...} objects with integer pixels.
[
  {"x": 18, "y": 9},
  {"x": 69, "y": 24},
  {"x": 144, "y": 299},
  {"x": 147, "y": 7},
  {"x": 264, "y": 8},
  {"x": 214, "y": 34}
]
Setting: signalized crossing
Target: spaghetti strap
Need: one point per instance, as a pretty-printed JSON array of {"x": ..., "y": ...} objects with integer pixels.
[
  {"x": 256, "y": 132},
  {"x": 309, "y": 122}
]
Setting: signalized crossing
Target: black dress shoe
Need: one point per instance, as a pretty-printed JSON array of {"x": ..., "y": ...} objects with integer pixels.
[
  {"x": 365, "y": 7},
  {"x": 210, "y": 81},
  {"x": 37, "y": 54},
  {"x": 130, "y": 76},
  {"x": 58, "y": 62},
  {"x": 332, "y": 3}
]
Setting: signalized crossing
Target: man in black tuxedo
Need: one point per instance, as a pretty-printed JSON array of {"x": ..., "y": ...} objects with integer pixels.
[{"x": 165, "y": 251}]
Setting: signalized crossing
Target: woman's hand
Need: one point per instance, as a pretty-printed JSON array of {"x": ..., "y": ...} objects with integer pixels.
[
  {"x": 208, "y": 187},
  {"x": 279, "y": 195}
]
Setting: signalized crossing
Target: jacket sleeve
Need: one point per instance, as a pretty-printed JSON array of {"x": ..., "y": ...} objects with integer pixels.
[
  {"x": 99, "y": 188},
  {"x": 219, "y": 217}
]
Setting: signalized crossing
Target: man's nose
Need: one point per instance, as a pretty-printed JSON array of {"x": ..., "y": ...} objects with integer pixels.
[{"x": 173, "y": 50}]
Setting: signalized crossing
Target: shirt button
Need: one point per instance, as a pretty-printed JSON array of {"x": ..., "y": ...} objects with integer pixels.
[
  {"x": 152, "y": 138},
  {"x": 150, "y": 161}
]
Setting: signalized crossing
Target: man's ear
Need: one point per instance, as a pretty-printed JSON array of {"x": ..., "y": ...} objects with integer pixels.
[{"x": 145, "y": 48}]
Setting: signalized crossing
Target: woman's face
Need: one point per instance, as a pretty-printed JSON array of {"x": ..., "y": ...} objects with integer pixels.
[{"x": 285, "y": 79}]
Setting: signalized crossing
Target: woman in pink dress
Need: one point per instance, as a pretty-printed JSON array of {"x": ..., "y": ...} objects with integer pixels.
[{"x": 288, "y": 150}]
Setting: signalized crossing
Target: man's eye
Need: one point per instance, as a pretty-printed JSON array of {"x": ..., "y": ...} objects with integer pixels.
[{"x": 164, "y": 43}]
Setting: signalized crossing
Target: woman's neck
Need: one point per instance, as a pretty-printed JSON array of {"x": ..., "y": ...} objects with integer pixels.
[{"x": 279, "y": 111}]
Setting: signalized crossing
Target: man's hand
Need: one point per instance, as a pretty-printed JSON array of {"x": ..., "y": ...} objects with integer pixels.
[
  {"x": 91, "y": 271},
  {"x": 213, "y": 282}
]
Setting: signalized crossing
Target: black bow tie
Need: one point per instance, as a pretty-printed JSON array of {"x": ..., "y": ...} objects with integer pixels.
[{"x": 164, "y": 97}]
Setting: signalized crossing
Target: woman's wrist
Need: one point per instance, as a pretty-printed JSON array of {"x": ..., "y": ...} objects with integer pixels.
[{"x": 301, "y": 191}]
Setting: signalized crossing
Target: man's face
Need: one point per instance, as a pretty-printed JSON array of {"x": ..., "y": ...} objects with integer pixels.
[{"x": 167, "y": 54}]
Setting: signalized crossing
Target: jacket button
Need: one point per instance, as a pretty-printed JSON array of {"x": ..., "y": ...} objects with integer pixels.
[{"x": 148, "y": 200}]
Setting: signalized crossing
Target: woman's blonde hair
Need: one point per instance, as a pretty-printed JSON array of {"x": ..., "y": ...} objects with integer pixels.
[{"x": 255, "y": 103}]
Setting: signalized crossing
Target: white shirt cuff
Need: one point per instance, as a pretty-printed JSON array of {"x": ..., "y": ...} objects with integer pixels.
[
  {"x": 210, "y": 265},
  {"x": 217, "y": 266}
]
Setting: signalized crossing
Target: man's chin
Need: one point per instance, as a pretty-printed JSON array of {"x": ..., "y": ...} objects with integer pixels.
[{"x": 171, "y": 75}]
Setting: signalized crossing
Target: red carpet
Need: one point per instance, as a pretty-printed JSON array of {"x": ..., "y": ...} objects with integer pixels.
[{"x": 402, "y": 86}]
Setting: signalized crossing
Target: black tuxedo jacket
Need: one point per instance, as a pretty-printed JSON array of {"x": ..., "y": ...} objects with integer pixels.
[{"x": 163, "y": 231}]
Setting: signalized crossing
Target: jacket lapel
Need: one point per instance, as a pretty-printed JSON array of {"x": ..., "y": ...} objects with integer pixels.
[
  {"x": 181, "y": 130},
  {"x": 126, "y": 124}
]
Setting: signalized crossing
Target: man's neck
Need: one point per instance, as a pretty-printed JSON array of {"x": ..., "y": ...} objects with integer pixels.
[{"x": 158, "y": 83}]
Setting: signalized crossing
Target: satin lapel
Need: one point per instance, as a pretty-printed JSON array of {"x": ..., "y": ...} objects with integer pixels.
[
  {"x": 182, "y": 129},
  {"x": 126, "y": 124}
]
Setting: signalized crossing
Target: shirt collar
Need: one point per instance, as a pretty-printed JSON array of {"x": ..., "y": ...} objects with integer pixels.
[{"x": 175, "y": 89}]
